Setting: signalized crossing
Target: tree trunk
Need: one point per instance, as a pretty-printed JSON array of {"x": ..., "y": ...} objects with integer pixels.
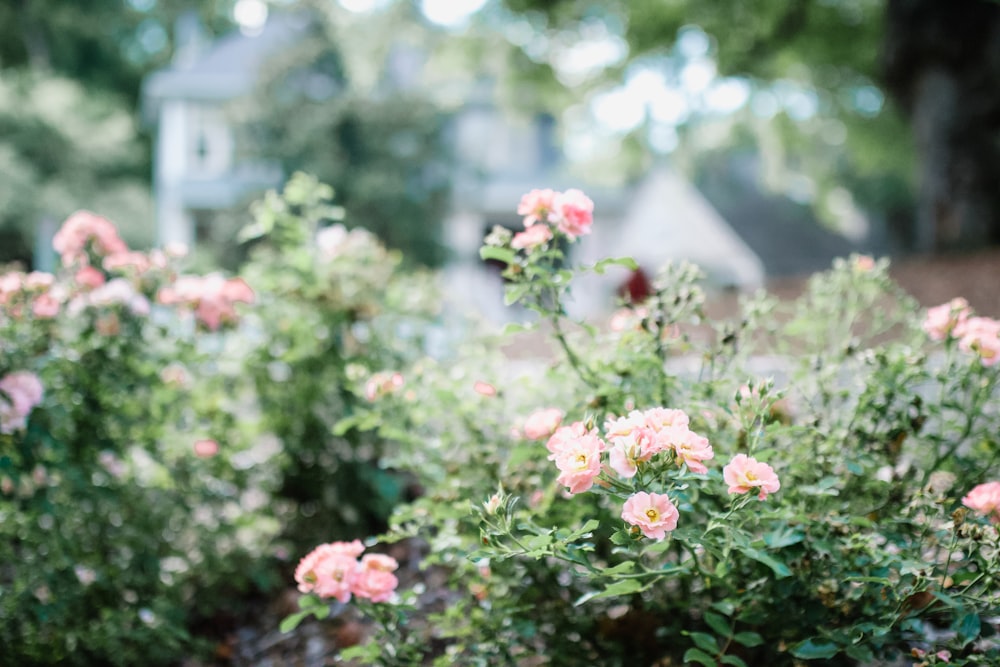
[{"x": 942, "y": 63}]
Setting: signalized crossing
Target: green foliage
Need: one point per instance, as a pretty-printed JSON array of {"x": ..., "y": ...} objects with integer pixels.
[
  {"x": 63, "y": 148},
  {"x": 335, "y": 312},
  {"x": 385, "y": 154},
  {"x": 120, "y": 540},
  {"x": 863, "y": 554}
]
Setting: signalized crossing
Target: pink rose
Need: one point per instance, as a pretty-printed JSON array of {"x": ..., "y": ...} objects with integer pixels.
[
  {"x": 563, "y": 437},
  {"x": 383, "y": 383},
  {"x": 985, "y": 499},
  {"x": 628, "y": 451},
  {"x": 84, "y": 229},
  {"x": 536, "y": 206},
  {"x": 575, "y": 213},
  {"x": 21, "y": 392},
  {"x": 89, "y": 277},
  {"x": 692, "y": 449},
  {"x": 982, "y": 336},
  {"x": 374, "y": 579},
  {"x": 329, "y": 570},
  {"x": 653, "y": 513},
  {"x": 531, "y": 238},
  {"x": 206, "y": 449},
  {"x": 45, "y": 307},
  {"x": 942, "y": 320},
  {"x": 542, "y": 423},
  {"x": 864, "y": 263},
  {"x": 579, "y": 462},
  {"x": 744, "y": 474},
  {"x": 484, "y": 389}
]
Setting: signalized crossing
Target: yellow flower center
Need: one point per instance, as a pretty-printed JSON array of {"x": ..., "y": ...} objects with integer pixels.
[
  {"x": 652, "y": 514},
  {"x": 751, "y": 476}
]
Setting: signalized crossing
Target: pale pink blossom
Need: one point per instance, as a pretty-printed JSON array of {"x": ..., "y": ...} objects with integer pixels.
[
  {"x": 626, "y": 452},
  {"x": 45, "y": 306},
  {"x": 20, "y": 393},
  {"x": 628, "y": 318},
  {"x": 212, "y": 297},
  {"x": 89, "y": 277},
  {"x": 692, "y": 449},
  {"x": 531, "y": 238},
  {"x": 383, "y": 383},
  {"x": 575, "y": 213},
  {"x": 85, "y": 230},
  {"x": 985, "y": 499},
  {"x": 38, "y": 281},
  {"x": 374, "y": 578},
  {"x": 653, "y": 513},
  {"x": 980, "y": 335},
  {"x": 484, "y": 389},
  {"x": 579, "y": 462},
  {"x": 864, "y": 263},
  {"x": 542, "y": 424},
  {"x": 941, "y": 321},
  {"x": 175, "y": 250},
  {"x": 536, "y": 206},
  {"x": 206, "y": 449},
  {"x": 130, "y": 260},
  {"x": 563, "y": 436},
  {"x": 744, "y": 474}
]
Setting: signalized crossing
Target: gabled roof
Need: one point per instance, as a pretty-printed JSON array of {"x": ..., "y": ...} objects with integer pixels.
[{"x": 228, "y": 69}]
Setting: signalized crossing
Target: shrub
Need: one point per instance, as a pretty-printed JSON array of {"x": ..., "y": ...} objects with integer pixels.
[
  {"x": 124, "y": 516},
  {"x": 798, "y": 483}
]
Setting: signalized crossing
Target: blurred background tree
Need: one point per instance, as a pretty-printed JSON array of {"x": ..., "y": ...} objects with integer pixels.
[
  {"x": 360, "y": 125},
  {"x": 70, "y": 75},
  {"x": 925, "y": 162}
]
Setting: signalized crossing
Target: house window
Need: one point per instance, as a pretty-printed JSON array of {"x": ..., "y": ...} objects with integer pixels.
[{"x": 210, "y": 147}]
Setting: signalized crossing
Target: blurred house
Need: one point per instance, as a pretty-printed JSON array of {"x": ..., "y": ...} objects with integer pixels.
[{"x": 499, "y": 157}]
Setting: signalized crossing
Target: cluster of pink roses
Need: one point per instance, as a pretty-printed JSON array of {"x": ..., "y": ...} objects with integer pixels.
[
  {"x": 383, "y": 383},
  {"x": 334, "y": 571},
  {"x": 84, "y": 233},
  {"x": 632, "y": 441},
  {"x": 30, "y": 292},
  {"x": 20, "y": 392},
  {"x": 985, "y": 499},
  {"x": 211, "y": 297},
  {"x": 572, "y": 213},
  {"x": 979, "y": 335}
]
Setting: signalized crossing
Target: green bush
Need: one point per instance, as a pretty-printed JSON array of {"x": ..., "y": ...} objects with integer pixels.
[{"x": 862, "y": 529}]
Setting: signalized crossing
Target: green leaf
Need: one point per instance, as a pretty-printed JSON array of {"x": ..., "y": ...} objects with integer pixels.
[
  {"x": 748, "y": 639},
  {"x": 515, "y": 292},
  {"x": 704, "y": 641},
  {"x": 862, "y": 654},
  {"x": 699, "y": 656},
  {"x": 622, "y": 568},
  {"x": 621, "y": 537},
  {"x": 967, "y": 627},
  {"x": 291, "y": 622},
  {"x": 505, "y": 255},
  {"x": 719, "y": 624},
  {"x": 733, "y": 660},
  {"x": 812, "y": 650},
  {"x": 782, "y": 537},
  {"x": 629, "y": 263},
  {"x": 513, "y": 328},
  {"x": 780, "y": 569},
  {"x": 624, "y": 587}
]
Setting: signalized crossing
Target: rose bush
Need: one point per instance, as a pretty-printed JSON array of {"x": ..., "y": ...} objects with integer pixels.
[
  {"x": 800, "y": 482},
  {"x": 120, "y": 532}
]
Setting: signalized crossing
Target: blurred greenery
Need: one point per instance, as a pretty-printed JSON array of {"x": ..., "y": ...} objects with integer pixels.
[{"x": 898, "y": 105}]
